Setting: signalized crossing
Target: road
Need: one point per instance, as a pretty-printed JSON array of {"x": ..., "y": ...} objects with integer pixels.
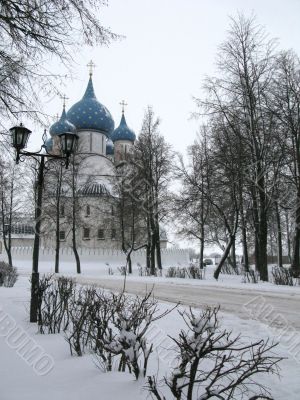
[{"x": 274, "y": 308}]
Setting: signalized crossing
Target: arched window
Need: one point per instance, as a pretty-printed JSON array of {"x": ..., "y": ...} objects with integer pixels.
[
  {"x": 86, "y": 233},
  {"x": 100, "y": 234}
]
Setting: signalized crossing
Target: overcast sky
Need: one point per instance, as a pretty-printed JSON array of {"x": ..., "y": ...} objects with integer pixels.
[{"x": 169, "y": 47}]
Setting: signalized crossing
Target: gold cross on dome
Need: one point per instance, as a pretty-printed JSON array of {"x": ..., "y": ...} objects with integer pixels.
[
  {"x": 91, "y": 66},
  {"x": 64, "y": 98},
  {"x": 123, "y": 104}
]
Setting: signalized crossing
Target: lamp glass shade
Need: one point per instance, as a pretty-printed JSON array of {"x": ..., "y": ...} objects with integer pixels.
[
  {"x": 68, "y": 142},
  {"x": 20, "y": 136}
]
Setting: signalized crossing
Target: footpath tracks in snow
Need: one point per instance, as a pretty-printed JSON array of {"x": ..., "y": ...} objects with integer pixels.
[{"x": 276, "y": 308}]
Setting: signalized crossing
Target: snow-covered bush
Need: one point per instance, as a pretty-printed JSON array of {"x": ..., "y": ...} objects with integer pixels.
[
  {"x": 119, "y": 325},
  {"x": 113, "y": 327},
  {"x": 214, "y": 364},
  {"x": 144, "y": 271},
  {"x": 230, "y": 270},
  {"x": 54, "y": 301},
  {"x": 176, "y": 272},
  {"x": 250, "y": 276},
  {"x": 195, "y": 272},
  {"x": 122, "y": 270},
  {"x": 8, "y": 275},
  {"x": 282, "y": 276},
  {"x": 191, "y": 271},
  {"x": 81, "y": 306}
]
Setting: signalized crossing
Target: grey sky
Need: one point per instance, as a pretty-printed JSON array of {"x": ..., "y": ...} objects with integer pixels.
[{"x": 170, "y": 46}]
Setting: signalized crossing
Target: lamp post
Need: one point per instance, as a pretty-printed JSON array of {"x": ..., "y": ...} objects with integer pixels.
[{"x": 20, "y": 136}]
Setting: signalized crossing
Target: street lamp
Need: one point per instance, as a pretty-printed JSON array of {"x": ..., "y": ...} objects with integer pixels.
[
  {"x": 68, "y": 141},
  {"x": 68, "y": 144},
  {"x": 20, "y": 136}
]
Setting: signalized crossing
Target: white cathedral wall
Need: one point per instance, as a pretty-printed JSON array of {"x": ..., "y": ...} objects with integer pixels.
[
  {"x": 92, "y": 142},
  {"x": 102, "y": 216},
  {"x": 122, "y": 148},
  {"x": 94, "y": 165}
]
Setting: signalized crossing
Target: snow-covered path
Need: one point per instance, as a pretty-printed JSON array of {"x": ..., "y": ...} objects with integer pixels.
[
  {"x": 265, "y": 302},
  {"x": 272, "y": 307}
]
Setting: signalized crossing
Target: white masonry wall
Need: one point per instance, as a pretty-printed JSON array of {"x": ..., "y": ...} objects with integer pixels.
[{"x": 170, "y": 257}]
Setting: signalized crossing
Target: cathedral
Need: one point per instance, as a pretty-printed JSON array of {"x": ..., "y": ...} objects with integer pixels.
[{"x": 101, "y": 148}]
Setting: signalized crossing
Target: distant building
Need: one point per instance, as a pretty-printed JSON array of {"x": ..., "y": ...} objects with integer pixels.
[{"x": 101, "y": 148}]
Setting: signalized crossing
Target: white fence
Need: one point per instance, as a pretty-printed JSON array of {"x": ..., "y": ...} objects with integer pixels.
[{"x": 170, "y": 257}]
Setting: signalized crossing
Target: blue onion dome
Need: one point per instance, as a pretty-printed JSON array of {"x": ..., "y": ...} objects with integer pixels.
[
  {"x": 49, "y": 144},
  {"x": 109, "y": 148},
  {"x": 62, "y": 125},
  {"x": 89, "y": 113},
  {"x": 123, "y": 132}
]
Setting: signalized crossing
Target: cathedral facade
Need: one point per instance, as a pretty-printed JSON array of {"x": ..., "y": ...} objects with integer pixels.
[{"x": 101, "y": 148}]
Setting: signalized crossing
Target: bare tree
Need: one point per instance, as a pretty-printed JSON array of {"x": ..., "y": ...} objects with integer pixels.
[
  {"x": 152, "y": 160},
  {"x": 239, "y": 96},
  {"x": 191, "y": 207},
  {"x": 31, "y": 32},
  {"x": 54, "y": 205},
  {"x": 286, "y": 108},
  {"x": 131, "y": 214},
  {"x": 15, "y": 189}
]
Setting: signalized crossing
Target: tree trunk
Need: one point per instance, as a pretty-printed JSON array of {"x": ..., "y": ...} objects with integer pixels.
[
  {"x": 245, "y": 245},
  {"x": 6, "y": 228},
  {"x": 129, "y": 263},
  {"x": 57, "y": 230},
  {"x": 57, "y": 242},
  {"x": 279, "y": 237},
  {"x": 57, "y": 248},
  {"x": 148, "y": 262},
  {"x": 263, "y": 229},
  {"x": 201, "y": 253},
  {"x": 74, "y": 243},
  {"x": 74, "y": 248},
  {"x": 288, "y": 239},
  {"x": 158, "y": 249},
  {"x": 224, "y": 257},
  {"x": 296, "y": 251},
  {"x": 233, "y": 255},
  {"x": 152, "y": 256},
  {"x": 262, "y": 250},
  {"x": 152, "y": 245},
  {"x": 256, "y": 230}
]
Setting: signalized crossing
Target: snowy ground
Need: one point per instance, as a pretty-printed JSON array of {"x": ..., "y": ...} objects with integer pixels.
[
  {"x": 78, "y": 378},
  {"x": 229, "y": 290}
]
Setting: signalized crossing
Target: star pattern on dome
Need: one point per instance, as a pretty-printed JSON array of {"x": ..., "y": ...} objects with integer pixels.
[
  {"x": 123, "y": 132},
  {"x": 89, "y": 113},
  {"x": 62, "y": 125}
]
